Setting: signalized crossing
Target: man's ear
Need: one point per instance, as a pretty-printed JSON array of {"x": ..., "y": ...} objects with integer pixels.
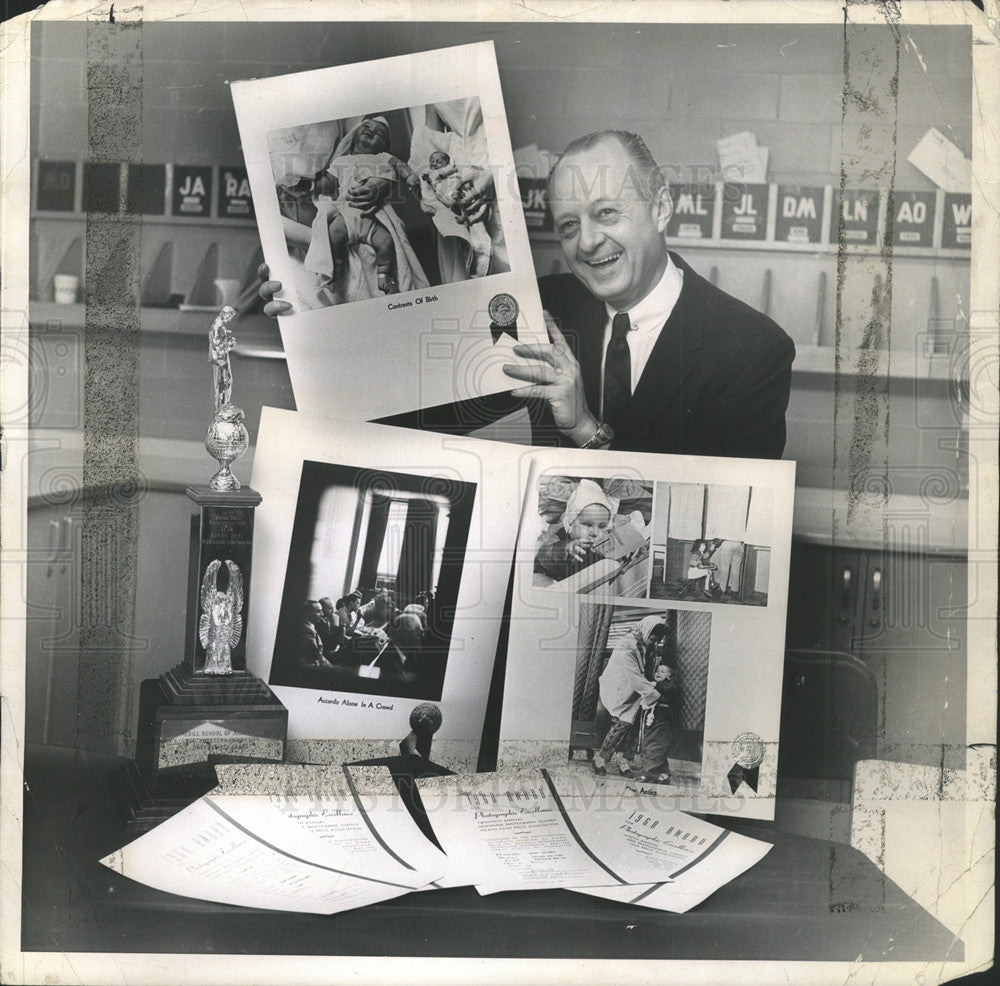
[{"x": 663, "y": 209}]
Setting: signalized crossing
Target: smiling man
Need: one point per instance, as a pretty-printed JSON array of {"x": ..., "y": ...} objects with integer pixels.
[{"x": 646, "y": 355}]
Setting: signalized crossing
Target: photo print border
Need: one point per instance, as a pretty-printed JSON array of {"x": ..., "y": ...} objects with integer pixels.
[
  {"x": 406, "y": 563},
  {"x": 433, "y": 344}
]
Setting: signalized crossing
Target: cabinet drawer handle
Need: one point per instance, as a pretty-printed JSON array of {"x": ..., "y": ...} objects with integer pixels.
[
  {"x": 876, "y": 597},
  {"x": 845, "y": 598}
]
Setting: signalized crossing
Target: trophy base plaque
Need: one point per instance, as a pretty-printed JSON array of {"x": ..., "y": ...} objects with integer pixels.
[
  {"x": 186, "y": 718},
  {"x": 144, "y": 810},
  {"x": 187, "y": 723}
]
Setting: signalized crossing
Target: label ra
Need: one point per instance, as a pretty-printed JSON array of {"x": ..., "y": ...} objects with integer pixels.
[{"x": 236, "y": 188}]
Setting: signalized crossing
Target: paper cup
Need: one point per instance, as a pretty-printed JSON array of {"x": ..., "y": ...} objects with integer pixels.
[{"x": 64, "y": 289}]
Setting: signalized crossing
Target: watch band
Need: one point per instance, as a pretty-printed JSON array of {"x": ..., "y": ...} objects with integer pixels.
[{"x": 601, "y": 438}]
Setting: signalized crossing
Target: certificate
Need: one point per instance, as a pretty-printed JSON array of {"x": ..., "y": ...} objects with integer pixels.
[
  {"x": 255, "y": 851},
  {"x": 730, "y": 857},
  {"x": 537, "y": 829}
]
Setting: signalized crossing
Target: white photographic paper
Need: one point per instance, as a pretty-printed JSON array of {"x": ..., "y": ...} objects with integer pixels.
[
  {"x": 252, "y": 852},
  {"x": 741, "y": 158},
  {"x": 840, "y": 103},
  {"x": 435, "y": 285},
  {"x": 667, "y": 657},
  {"x": 941, "y": 161},
  {"x": 424, "y": 527},
  {"x": 730, "y": 857},
  {"x": 535, "y": 829}
]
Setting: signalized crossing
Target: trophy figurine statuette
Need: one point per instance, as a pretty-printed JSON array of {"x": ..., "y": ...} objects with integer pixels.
[
  {"x": 209, "y": 705},
  {"x": 227, "y": 438}
]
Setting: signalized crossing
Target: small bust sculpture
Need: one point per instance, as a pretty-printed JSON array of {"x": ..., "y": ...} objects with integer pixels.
[{"x": 425, "y": 721}]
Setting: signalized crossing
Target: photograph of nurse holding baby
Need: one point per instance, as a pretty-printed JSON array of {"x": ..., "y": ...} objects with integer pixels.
[
  {"x": 593, "y": 535},
  {"x": 385, "y": 203}
]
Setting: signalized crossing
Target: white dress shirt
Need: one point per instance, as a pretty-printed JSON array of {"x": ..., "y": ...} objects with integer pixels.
[{"x": 646, "y": 320}]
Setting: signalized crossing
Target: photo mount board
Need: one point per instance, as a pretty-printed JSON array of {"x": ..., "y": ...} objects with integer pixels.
[
  {"x": 334, "y": 725},
  {"x": 434, "y": 344},
  {"x": 746, "y": 655}
]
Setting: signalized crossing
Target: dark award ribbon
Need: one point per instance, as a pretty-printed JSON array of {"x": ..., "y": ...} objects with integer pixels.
[{"x": 503, "y": 316}]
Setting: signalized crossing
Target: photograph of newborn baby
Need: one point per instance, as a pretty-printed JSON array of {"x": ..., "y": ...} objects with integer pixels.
[
  {"x": 386, "y": 203},
  {"x": 594, "y": 535}
]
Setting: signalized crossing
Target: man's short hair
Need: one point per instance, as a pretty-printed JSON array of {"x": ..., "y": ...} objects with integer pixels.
[{"x": 650, "y": 178}]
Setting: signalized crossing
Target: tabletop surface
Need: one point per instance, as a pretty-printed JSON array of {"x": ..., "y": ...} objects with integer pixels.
[{"x": 807, "y": 899}]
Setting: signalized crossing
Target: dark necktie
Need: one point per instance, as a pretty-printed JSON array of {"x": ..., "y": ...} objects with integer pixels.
[{"x": 617, "y": 370}]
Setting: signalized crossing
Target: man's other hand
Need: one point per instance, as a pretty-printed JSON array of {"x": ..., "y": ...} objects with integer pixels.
[
  {"x": 267, "y": 291},
  {"x": 555, "y": 377}
]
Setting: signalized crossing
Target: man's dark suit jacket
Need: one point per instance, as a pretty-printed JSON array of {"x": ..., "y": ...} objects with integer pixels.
[
  {"x": 716, "y": 383},
  {"x": 717, "y": 379}
]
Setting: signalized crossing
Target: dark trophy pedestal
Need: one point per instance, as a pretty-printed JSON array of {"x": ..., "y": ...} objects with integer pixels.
[{"x": 201, "y": 711}]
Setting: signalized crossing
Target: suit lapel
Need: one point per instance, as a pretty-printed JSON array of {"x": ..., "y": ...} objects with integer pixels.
[
  {"x": 673, "y": 356},
  {"x": 588, "y": 347}
]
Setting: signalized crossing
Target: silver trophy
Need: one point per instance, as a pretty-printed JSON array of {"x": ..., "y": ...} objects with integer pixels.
[
  {"x": 227, "y": 437},
  {"x": 209, "y": 704}
]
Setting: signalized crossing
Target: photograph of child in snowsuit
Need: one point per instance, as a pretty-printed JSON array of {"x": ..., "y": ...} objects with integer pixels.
[
  {"x": 658, "y": 726},
  {"x": 569, "y": 549}
]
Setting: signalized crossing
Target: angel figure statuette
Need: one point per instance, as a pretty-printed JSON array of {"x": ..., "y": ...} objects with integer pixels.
[{"x": 220, "y": 625}]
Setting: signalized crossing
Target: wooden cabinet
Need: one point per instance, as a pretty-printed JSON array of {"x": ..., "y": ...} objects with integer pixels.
[
  {"x": 903, "y": 613},
  {"x": 823, "y": 610},
  {"x": 52, "y": 624},
  {"x": 914, "y": 603}
]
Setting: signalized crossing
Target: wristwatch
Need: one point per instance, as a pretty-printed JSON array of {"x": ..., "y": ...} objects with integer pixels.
[{"x": 601, "y": 438}]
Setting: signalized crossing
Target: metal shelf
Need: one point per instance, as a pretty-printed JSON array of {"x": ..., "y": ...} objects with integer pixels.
[
  {"x": 822, "y": 360},
  {"x": 259, "y": 336}
]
